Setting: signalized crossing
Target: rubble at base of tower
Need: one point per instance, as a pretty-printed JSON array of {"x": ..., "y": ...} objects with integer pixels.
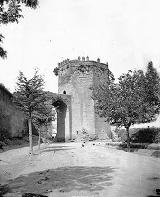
[{"x": 83, "y": 135}]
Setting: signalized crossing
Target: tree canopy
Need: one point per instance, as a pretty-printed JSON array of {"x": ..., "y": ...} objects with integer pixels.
[
  {"x": 127, "y": 102},
  {"x": 30, "y": 98},
  {"x": 11, "y": 12},
  {"x": 152, "y": 86}
]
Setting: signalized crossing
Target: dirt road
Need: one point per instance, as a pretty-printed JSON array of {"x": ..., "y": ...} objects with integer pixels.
[{"x": 72, "y": 170}]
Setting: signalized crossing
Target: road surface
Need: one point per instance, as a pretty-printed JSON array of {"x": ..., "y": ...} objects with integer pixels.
[{"x": 68, "y": 169}]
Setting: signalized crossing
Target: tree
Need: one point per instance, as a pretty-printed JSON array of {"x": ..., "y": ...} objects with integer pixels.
[
  {"x": 10, "y": 12},
  {"x": 30, "y": 98},
  {"x": 124, "y": 103},
  {"x": 42, "y": 117},
  {"x": 152, "y": 87}
]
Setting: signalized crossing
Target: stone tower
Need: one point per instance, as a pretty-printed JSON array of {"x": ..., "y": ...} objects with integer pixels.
[{"x": 75, "y": 77}]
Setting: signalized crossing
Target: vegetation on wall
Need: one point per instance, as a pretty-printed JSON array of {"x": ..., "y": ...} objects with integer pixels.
[{"x": 56, "y": 70}]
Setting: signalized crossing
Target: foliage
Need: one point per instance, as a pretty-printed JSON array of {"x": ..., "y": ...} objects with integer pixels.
[
  {"x": 31, "y": 99},
  {"x": 103, "y": 92},
  {"x": 133, "y": 146},
  {"x": 131, "y": 99},
  {"x": 29, "y": 93},
  {"x": 157, "y": 137},
  {"x": 3, "y": 53},
  {"x": 124, "y": 103},
  {"x": 41, "y": 120},
  {"x": 10, "y": 12},
  {"x": 145, "y": 135},
  {"x": 56, "y": 70},
  {"x": 152, "y": 87},
  {"x": 4, "y": 134}
]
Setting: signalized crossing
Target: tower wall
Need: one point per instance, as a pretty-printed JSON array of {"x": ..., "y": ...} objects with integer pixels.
[
  {"x": 82, "y": 104},
  {"x": 77, "y": 82},
  {"x": 102, "y": 127}
]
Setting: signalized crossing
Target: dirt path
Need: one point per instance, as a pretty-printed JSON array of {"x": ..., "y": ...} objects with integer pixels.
[{"x": 71, "y": 170}]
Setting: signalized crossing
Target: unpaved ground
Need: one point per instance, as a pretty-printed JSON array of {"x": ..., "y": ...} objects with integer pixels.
[{"x": 71, "y": 170}]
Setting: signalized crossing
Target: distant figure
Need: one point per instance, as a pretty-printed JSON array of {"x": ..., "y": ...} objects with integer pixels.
[{"x": 82, "y": 145}]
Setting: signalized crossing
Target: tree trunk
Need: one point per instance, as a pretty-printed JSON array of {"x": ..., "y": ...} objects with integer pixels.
[
  {"x": 128, "y": 139},
  {"x": 30, "y": 136},
  {"x": 39, "y": 142}
]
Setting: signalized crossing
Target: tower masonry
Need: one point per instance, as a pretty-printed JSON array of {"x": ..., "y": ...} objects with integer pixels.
[{"x": 75, "y": 78}]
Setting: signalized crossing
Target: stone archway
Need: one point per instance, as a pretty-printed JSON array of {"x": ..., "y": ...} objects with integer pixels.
[{"x": 64, "y": 119}]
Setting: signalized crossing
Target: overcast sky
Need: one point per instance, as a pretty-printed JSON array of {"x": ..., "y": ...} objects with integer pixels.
[{"x": 124, "y": 33}]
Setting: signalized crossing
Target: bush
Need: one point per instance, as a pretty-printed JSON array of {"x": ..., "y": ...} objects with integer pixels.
[
  {"x": 4, "y": 134},
  {"x": 157, "y": 137},
  {"x": 146, "y": 135},
  {"x": 134, "y": 146},
  {"x": 141, "y": 135}
]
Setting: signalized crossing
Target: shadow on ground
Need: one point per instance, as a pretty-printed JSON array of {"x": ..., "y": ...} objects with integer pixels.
[
  {"x": 155, "y": 153},
  {"x": 133, "y": 146},
  {"x": 64, "y": 179},
  {"x": 156, "y": 180}
]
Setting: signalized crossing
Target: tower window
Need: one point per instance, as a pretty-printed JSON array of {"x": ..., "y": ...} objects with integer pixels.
[{"x": 64, "y": 92}]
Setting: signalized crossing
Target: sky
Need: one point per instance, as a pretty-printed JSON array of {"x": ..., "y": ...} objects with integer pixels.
[{"x": 124, "y": 33}]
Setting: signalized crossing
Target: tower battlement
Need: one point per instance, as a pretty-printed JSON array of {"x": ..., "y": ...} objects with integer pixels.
[
  {"x": 67, "y": 67},
  {"x": 83, "y": 60}
]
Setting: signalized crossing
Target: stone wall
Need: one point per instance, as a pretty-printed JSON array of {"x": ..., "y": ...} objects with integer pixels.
[{"x": 15, "y": 120}]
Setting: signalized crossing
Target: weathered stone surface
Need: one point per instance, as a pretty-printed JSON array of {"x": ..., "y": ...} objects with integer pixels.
[
  {"x": 15, "y": 122},
  {"x": 75, "y": 78}
]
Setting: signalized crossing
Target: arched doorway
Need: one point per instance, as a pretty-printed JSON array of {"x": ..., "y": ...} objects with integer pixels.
[
  {"x": 62, "y": 105},
  {"x": 61, "y": 109}
]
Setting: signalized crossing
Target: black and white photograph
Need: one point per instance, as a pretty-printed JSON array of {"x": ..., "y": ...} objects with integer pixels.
[{"x": 79, "y": 98}]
